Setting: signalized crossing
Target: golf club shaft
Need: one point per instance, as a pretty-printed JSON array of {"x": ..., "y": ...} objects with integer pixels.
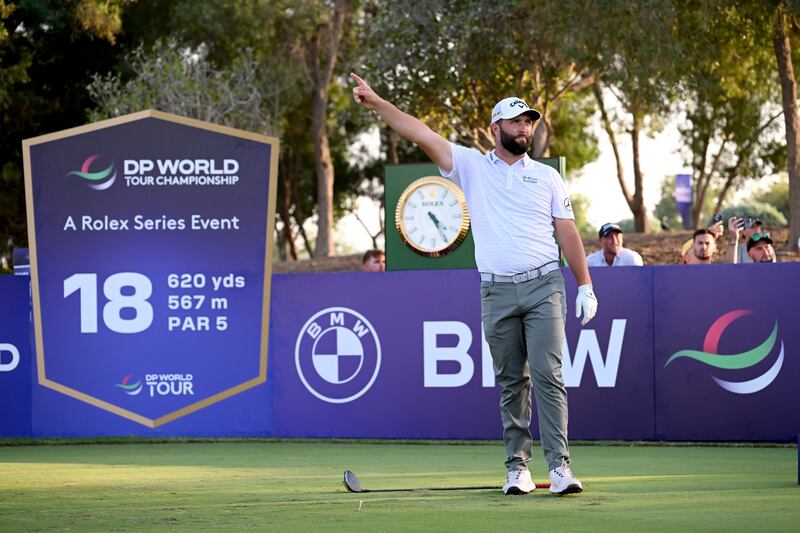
[
  {"x": 352, "y": 484},
  {"x": 493, "y": 487}
]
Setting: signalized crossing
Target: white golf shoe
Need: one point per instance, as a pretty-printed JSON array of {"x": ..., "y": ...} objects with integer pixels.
[
  {"x": 563, "y": 482},
  {"x": 518, "y": 482}
]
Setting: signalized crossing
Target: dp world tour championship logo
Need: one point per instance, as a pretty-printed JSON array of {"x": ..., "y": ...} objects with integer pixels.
[
  {"x": 738, "y": 363},
  {"x": 338, "y": 355},
  {"x": 99, "y": 178}
]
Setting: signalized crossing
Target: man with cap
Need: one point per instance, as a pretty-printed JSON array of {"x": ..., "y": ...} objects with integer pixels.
[
  {"x": 759, "y": 248},
  {"x": 740, "y": 232},
  {"x": 612, "y": 252},
  {"x": 515, "y": 206}
]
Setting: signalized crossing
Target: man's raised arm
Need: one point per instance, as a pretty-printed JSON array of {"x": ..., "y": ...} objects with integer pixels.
[{"x": 408, "y": 127}]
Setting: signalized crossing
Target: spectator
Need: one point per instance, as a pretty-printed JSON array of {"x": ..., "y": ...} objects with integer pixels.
[
  {"x": 737, "y": 244},
  {"x": 759, "y": 248},
  {"x": 373, "y": 261},
  {"x": 613, "y": 253},
  {"x": 701, "y": 249}
]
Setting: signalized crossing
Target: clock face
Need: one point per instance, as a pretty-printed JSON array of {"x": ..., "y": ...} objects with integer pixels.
[{"x": 432, "y": 216}]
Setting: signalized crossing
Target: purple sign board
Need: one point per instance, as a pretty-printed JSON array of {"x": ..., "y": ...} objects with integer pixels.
[
  {"x": 404, "y": 357},
  {"x": 15, "y": 357},
  {"x": 726, "y": 358},
  {"x": 674, "y": 353},
  {"x": 150, "y": 246}
]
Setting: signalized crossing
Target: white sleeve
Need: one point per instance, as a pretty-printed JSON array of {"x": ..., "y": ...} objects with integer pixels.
[
  {"x": 561, "y": 205},
  {"x": 459, "y": 155}
]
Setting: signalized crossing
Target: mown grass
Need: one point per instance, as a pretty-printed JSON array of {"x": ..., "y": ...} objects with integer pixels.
[{"x": 297, "y": 486}]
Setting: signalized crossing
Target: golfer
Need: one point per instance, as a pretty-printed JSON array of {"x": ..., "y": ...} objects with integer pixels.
[{"x": 515, "y": 205}]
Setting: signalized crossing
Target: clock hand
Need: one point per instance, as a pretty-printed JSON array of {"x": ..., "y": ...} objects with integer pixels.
[{"x": 438, "y": 225}]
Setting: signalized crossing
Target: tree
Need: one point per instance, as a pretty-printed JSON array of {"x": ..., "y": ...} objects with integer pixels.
[
  {"x": 180, "y": 80},
  {"x": 637, "y": 67},
  {"x": 304, "y": 36},
  {"x": 785, "y": 14},
  {"x": 449, "y": 61},
  {"x": 48, "y": 51},
  {"x": 730, "y": 125}
]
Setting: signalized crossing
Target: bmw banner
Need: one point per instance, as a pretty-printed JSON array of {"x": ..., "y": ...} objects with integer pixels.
[{"x": 150, "y": 246}]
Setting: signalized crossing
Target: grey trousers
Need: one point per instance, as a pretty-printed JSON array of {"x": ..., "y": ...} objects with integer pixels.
[{"x": 524, "y": 327}]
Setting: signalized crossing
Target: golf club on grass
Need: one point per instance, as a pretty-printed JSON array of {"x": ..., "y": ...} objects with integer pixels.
[{"x": 354, "y": 485}]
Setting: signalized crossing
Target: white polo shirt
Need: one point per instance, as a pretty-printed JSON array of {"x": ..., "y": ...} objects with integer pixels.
[
  {"x": 511, "y": 209},
  {"x": 625, "y": 257}
]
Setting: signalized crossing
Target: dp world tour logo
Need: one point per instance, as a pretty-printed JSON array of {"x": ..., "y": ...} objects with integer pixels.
[
  {"x": 739, "y": 362},
  {"x": 130, "y": 387},
  {"x": 338, "y": 355},
  {"x": 99, "y": 179}
]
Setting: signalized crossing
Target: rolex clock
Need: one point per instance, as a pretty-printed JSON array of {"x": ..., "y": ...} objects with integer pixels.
[{"x": 432, "y": 217}]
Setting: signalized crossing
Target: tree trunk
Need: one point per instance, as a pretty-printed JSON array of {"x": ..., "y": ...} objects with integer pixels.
[
  {"x": 321, "y": 73},
  {"x": 392, "y": 156},
  {"x": 783, "y": 54},
  {"x": 323, "y": 167},
  {"x": 598, "y": 95},
  {"x": 638, "y": 208},
  {"x": 542, "y": 136}
]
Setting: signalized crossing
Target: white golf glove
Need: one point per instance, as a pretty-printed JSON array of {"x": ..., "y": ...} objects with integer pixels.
[{"x": 586, "y": 302}]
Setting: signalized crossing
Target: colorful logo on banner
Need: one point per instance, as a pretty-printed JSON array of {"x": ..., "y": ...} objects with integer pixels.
[
  {"x": 129, "y": 386},
  {"x": 741, "y": 361},
  {"x": 99, "y": 179},
  {"x": 337, "y": 355}
]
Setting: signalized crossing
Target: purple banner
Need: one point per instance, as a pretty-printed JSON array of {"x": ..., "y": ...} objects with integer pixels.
[
  {"x": 675, "y": 353},
  {"x": 683, "y": 198},
  {"x": 726, "y": 358},
  {"x": 401, "y": 355},
  {"x": 15, "y": 357}
]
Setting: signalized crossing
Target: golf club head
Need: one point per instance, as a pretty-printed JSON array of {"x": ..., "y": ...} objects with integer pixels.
[{"x": 351, "y": 482}]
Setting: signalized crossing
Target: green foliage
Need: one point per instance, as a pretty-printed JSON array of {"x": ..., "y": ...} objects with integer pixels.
[
  {"x": 731, "y": 98},
  {"x": 777, "y": 196},
  {"x": 48, "y": 52},
  {"x": 628, "y": 225},
  {"x": 768, "y": 214},
  {"x": 666, "y": 210},
  {"x": 448, "y": 62},
  {"x": 178, "y": 79},
  {"x": 574, "y": 139}
]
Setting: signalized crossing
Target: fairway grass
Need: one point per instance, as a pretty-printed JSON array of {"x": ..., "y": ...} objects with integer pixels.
[{"x": 297, "y": 486}]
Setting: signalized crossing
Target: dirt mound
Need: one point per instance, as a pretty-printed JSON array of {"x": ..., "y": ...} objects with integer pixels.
[{"x": 655, "y": 249}]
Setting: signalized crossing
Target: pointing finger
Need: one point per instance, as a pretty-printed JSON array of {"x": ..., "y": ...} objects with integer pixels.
[{"x": 358, "y": 79}]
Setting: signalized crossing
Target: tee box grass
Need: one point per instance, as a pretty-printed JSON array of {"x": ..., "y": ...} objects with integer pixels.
[{"x": 297, "y": 486}]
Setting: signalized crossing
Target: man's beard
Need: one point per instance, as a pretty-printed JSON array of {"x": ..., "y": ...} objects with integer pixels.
[
  {"x": 510, "y": 143},
  {"x": 703, "y": 255}
]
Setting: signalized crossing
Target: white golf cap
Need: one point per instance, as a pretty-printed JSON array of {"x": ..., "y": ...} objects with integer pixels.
[{"x": 513, "y": 107}]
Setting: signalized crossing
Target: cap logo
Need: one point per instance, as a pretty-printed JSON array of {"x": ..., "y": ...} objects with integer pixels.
[{"x": 518, "y": 103}]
